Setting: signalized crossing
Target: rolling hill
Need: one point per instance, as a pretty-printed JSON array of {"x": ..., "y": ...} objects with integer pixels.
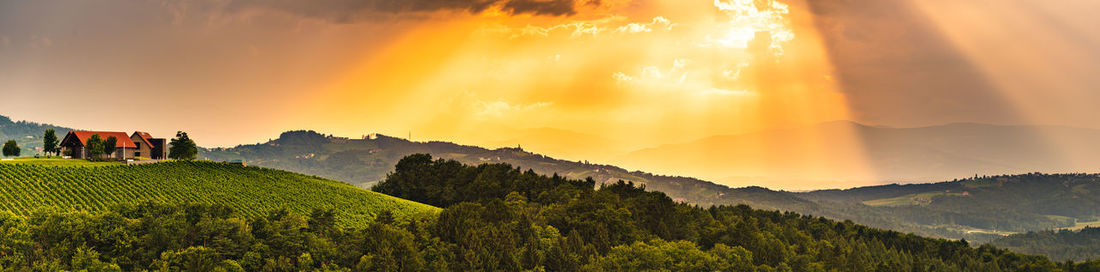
[
  {"x": 842, "y": 153},
  {"x": 1060, "y": 245},
  {"x": 978, "y": 209},
  {"x": 365, "y": 161},
  {"x": 989, "y": 206},
  {"x": 27, "y": 134},
  {"x": 252, "y": 191},
  {"x": 985, "y": 213}
]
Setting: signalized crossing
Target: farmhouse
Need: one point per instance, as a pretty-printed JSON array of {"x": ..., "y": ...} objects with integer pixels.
[{"x": 138, "y": 144}]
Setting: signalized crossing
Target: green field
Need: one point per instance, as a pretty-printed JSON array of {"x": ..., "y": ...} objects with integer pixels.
[
  {"x": 1082, "y": 224},
  {"x": 56, "y": 162},
  {"x": 909, "y": 200},
  {"x": 252, "y": 191}
]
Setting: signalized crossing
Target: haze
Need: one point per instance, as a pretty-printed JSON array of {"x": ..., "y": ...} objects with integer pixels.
[{"x": 580, "y": 80}]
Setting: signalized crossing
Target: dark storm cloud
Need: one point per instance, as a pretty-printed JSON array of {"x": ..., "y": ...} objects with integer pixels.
[{"x": 356, "y": 10}]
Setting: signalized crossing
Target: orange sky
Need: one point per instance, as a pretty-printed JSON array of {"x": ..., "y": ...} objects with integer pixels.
[{"x": 579, "y": 80}]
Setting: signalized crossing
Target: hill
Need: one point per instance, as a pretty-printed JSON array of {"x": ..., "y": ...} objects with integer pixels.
[
  {"x": 840, "y": 154},
  {"x": 619, "y": 227},
  {"x": 27, "y": 134},
  {"x": 1059, "y": 245},
  {"x": 365, "y": 161},
  {"x": 986, "y": 212},
  {"x": 252, "y": 191},
  {"x": 495, "y": 218},
  {"x": 978, "y": 209}
]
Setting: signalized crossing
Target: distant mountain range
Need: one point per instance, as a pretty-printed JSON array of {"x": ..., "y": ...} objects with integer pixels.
[{"x": 838, "y": 154}]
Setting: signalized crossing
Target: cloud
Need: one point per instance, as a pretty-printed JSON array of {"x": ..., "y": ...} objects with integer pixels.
[
  {"x": 347, "y": 11},
  {"x": 648, "y": 27},
  {"x": 497, "y": 109},
  {"x": 583, "y": 29}
]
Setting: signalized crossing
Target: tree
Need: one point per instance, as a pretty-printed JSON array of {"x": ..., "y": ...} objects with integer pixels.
[
  {"x": 94, "y": 146},
  {"x": 183, "y": 148},
  {"x": 49, "y": 141},
  {"x": 110, "y": 145},
  {"x": 11, "y": 149}
]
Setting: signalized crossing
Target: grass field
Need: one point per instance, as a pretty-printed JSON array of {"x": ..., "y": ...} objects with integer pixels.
[
  {"x": 1082, "y": 224},
  {"x": 252, "y": 191},
  {"x": 909, "y": 200}
]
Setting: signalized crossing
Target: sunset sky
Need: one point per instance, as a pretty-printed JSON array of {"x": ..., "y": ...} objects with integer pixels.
[{"x": 558, "y": 75}]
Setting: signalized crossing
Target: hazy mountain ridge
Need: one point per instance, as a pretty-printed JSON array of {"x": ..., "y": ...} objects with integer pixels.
[
  {"x": 365, "y": 161},
  {"x": 870, "y": 155}
]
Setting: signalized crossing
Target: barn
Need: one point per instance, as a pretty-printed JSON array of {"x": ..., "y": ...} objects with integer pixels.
[{"x": 138, "y": 144}]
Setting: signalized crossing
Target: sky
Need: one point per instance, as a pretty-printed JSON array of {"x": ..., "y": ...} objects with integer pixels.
[{"x": 575, "y": 79}]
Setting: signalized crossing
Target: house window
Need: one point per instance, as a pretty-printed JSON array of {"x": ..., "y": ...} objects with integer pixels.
[{"x": 137, "y": 154}]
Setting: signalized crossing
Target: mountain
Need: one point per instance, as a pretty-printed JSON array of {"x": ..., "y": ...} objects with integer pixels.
[
  {"x": 27, "y": 186},
  {"x": 838, "y": 154},
  {"x": 27, "y": 134}
]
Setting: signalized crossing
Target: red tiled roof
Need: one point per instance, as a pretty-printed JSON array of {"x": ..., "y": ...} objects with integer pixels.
[
  {"x": 144, "y": 137},
  {"x": 123, "y": 140}
]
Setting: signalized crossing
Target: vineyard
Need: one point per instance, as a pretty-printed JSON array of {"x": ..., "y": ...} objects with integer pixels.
[{"x": 251, "y": 191}]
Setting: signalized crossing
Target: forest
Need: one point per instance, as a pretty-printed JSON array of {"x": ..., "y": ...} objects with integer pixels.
[
  {"x": 1082, "y": 244},
  {"x": 495, "y": 218}
]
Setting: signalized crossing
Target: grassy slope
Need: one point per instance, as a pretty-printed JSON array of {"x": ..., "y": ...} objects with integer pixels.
[{"x": 252, "y": 191}]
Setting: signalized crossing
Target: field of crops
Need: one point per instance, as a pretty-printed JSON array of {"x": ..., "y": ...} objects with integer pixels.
[
  {"x": 252, "y": 191},
  {"x": 57, "y": 162}
]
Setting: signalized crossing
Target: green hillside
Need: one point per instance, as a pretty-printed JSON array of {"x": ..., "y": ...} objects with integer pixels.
[
  {"x": 27, "y": 134},
  {"x": 1083, "y": 244},
  {"x": 252, "y": 191}
]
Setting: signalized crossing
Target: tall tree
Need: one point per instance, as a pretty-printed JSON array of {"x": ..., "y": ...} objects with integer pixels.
[
  {"x": 11, "y": 149},
  {"x": 94, "y": 146},
  {"x": 110, "y": 146},
  {"x": 183, "y": 148},
  {"x": 49, "y": 141}
]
